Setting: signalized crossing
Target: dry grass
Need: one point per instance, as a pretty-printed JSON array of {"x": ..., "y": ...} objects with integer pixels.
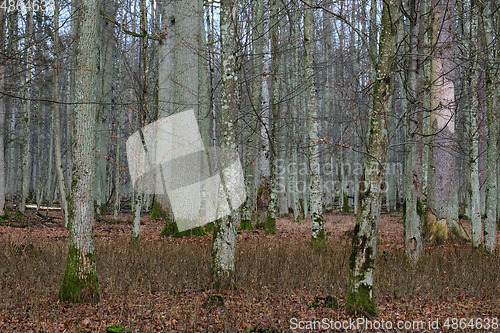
[{"x": 158, "y": 285}]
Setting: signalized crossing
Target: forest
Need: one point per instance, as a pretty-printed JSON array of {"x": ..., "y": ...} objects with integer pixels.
[{"x": 249, "y": 165}]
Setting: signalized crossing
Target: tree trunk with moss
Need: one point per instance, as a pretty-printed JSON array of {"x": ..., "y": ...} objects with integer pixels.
[
  {"x": 315, "y": 194},
  {"x": 224, "y": 237},
  {"x": 442, "y": 208},
  {"x": 492, "y": 93},
  {"x": 360, "y": 298},
  {"x": 80, "y": 281}
]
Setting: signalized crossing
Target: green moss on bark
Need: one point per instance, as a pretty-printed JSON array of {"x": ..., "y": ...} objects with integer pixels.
[
  {"x": 170, "y": 229},
  {"x": 345, "y": 206},
  {"x": 210, "y": 226},
  {"x": 245, "y": 225},
  {"x": 270, "y": 227},
  {"x": 19, "y": 215},
  {"x": 80, "y": 282},
  {"x": 320, "y": 240},
  {"x": 223, "y": 280},
  {"x": 157, "y": 212},
  {"x": 104, "y": 208},
  {"x": 361, "y": 302}
]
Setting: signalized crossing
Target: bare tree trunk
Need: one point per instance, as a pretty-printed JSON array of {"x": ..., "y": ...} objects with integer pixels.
[
  {"x": 143, "y": 109},
  {"x": 224, "y": 237},
  {"x": 272, "y": 206},
  {"x": 442, "y": 210},
  {"x": 413, "y": 168},
  {"x": 70, "y": 110},
  {"x": 294, "y": 78},
  {"x": 473, "y": 123},
  {"x": 166, "y": 79},
  {"x": 317, "y": 228},
  {"x": 360, "y": 298},
  {"x": 492, "y": 91},
  {"x": 26, "y": 154},
  {"x": 57, "y": 120},
  {"x": 2, "y": 117},
  {"x": 263, "y": 191},
  {"x": 80, "y": 282},
  {"x": 11, "y": 81},
  {"x": 117, "y": 199},
  {"x": 107, "y": 51},
  {"x": 250, "y": 150}
]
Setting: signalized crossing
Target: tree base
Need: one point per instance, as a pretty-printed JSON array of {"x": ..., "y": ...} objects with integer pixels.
[
  {"x": 171, "y": 229},
  {"x": 245, "y": 225},
  {"x": 270, "y": 227},
  {"x": 320, "y": 240},
  {"x": 439, "y": 231},
  {"x": 80, "y": 282},
  {"x": 360, "y": 302},
  {"x": 157, "y": 212}
]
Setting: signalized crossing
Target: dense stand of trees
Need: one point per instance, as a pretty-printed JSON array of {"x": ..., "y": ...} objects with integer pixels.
[{"x": 358, "y": 106}]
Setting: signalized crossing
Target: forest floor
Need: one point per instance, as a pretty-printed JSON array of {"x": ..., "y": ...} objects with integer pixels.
[{"x": 162, "y": 283}]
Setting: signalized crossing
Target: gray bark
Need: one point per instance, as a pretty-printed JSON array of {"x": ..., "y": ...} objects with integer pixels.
[
  {"x": 80, "y": 282},
  {"x": 442, "y": 214},
  {"x": 413, "y": 167},
  {"x": 492, "y": 91},
  {"x": 26, "y": 151},
  {"x": 57, "y": 119},
  {"x": 315, "y": 196},
  {"x": 473, "y": 120},
  {"x": 224, "y": 237},
  {"x": 272, "y": 207},
  {"x": 2, "y": 118},
  {"x": 360, "y": 298}
]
